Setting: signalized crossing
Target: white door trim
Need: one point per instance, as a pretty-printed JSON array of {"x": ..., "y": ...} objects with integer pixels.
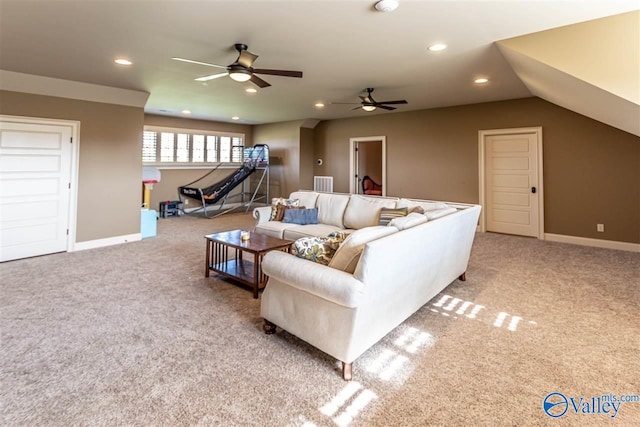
[
  {"x": 352, "y": 161},
  {"x": 482, "y": 136},
  {"x": 75, "y": 152}
]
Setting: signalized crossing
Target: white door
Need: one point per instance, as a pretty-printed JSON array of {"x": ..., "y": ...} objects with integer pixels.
[
  {"x": 35, "y": 176},
  {"x": 512, "y": 187}
]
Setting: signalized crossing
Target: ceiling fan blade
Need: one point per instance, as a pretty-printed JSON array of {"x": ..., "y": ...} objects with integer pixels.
[
  {"x": 357, "y": 108},
  {"x": 393, "y": 102},
  {"x": 246, "y": 58},
  {"x": 259, "y": 82},
  {"x": 211, "y": 77},
  {"x": 198, "y": 62},
  {"x": 284, "y": 73},
  {"x": 384, "y": 107}
]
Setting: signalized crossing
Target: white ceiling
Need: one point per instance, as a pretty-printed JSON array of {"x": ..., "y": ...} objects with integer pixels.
[{"x": 341, "y": 47}]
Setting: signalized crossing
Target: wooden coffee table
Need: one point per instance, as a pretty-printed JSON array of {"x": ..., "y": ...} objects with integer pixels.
[{"x": 225, "y": 256}]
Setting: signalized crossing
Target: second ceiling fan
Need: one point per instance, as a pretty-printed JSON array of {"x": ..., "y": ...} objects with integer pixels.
[
  {"x": 242, "y": 69},
  {"x": 370, "y": 104}
]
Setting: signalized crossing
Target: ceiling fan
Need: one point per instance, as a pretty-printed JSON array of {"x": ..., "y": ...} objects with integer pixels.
[
  {"x": 241, "y": 70},
  {"x": 370, "y": 104}
]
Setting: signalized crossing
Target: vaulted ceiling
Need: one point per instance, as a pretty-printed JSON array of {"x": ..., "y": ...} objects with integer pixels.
[{"x": 341, "y": 47}]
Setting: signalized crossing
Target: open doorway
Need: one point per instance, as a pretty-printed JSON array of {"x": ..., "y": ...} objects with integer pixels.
[{"x": 368, "y": 159}]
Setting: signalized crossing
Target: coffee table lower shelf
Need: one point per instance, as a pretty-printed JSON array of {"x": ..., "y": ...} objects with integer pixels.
[
  {"x": 240, "y": 270},
  {"x": 226, "y": 256}
]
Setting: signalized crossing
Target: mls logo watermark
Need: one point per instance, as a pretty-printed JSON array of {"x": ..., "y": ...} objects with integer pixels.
[{"x": 557, "y": 404}]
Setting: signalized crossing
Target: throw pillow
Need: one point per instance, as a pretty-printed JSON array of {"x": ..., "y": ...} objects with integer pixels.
[
  {"x": 277, "y": 201},
  {"x": 318, "y": 249},
  {"x": 416, "y": 209},
  {"x": 300, "y": 216},
  {"x": 387, "y": 214},
  {"x": 280, "y": 209}
]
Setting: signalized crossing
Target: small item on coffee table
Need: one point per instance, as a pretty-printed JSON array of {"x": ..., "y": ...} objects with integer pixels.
[{"x": 245, "y": 235}]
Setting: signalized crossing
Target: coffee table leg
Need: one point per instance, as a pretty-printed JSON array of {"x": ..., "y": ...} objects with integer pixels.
[
  {"x": 207, "y": 261},
  {"x": 257, "y": 272}
]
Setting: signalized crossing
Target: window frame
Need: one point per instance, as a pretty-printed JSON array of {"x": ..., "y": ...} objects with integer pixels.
[{"x": 190, "y": 164}]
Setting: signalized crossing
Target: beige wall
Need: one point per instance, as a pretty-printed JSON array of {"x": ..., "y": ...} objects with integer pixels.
[
  {"x": 591, "y": 170},
  {"x": 109, "y": 162},
  {"x": 307, "y": 161},
  {"x": 167, "y": 188},
  {"x": 283, "y": 140}
]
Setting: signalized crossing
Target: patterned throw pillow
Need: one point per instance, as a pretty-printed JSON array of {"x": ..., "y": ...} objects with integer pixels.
[
  {"x": 387, "y": 214},
  {"x": 281, "y": 209},
  {"x": 318, "y": 249},
  {"x": 280, "y": 201}
]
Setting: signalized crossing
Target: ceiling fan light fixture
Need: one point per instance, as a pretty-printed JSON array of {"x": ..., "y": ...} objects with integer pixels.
[
  {"x": 240, "y": 75},
  {"x": 369, "y": 107}
]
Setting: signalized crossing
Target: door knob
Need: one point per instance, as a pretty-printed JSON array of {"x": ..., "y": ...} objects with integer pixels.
[{"x": 533, "y": 189}]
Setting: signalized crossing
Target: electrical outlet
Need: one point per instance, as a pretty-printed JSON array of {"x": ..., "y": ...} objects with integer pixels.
[
  {"x": 186, "y": 201},
  {"x": 600, "y": 228}
]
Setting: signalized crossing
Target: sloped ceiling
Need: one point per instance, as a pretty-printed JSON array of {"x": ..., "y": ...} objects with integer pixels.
[{"x": 592, "y": 68}]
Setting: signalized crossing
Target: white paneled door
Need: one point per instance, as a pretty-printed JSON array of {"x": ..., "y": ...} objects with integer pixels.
[
  {"x": 35, "y": 177},
  {"x": 511, "y": 179}
]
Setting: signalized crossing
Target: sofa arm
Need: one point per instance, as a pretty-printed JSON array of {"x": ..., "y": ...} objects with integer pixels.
[
  {"x": 262, "y": 214},
  {"x": 325, "y": 282}
]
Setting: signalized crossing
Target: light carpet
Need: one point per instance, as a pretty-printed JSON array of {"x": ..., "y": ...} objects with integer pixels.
[{"x": 134, "y": 335}]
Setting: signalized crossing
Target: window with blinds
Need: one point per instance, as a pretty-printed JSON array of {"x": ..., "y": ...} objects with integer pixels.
[{"x": 190, "y": 147}]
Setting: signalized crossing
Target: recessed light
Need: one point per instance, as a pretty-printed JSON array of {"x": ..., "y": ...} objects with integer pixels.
[
  {"x": 122, "y": 61},
  {"x": 319, "y": 105},
  {"x": 386, "y": 5},
  {"x": 186, "y": 111},
  {"x": 250, "y": 90},
  {"x": 235, "y": 118},
  {"x": 481, "y": 80},
  {"x": 437, "y": 47}
]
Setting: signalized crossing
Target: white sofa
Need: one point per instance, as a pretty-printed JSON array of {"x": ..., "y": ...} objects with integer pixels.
[{"x": 387, "y": 275}]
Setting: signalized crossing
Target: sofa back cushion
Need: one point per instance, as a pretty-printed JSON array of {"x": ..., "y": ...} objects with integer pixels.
[
  {"x": 411, "y": 220},
  {"x": 307, "y": 198},
  {"x": 331, "y": 208},
  {"x": 425, "y": 205},
  {"x": 348, "y": 254},
  {"x": 365, "y": 211}
]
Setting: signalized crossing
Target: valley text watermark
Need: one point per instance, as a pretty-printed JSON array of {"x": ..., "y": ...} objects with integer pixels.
[{"x": 557, "y": 404}]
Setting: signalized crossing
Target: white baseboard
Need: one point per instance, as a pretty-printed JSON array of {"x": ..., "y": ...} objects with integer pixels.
[
  {"x": 598, "y": 243},
  {"x": 109, "y": 241}
]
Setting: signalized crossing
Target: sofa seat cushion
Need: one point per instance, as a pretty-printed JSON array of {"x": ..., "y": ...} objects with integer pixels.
[
  {"x": 364, "y": 212},
  {"x": 348, "y": 254},
  {"x": 331, "y": 208},
  {"x": 274, "y": 228},
  {"x": 295, "y": 232}
]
